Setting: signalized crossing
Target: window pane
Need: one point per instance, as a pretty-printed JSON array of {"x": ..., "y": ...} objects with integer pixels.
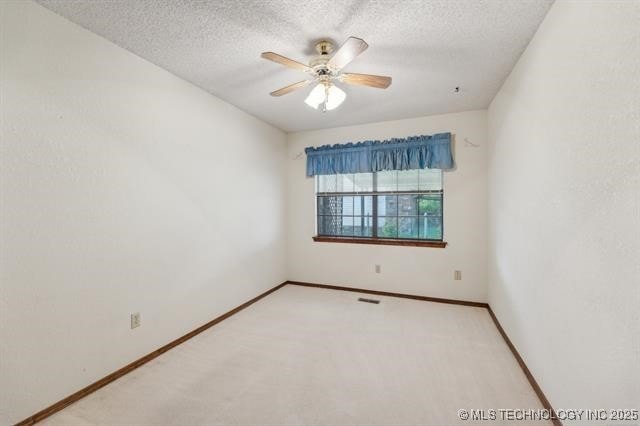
[
  {"x": 430, "y": 179},
  {"x": 431, "y": 227},
  {"x": 408, "y": 227},
  {"x": 347, "y": 226},
  {"x": 408, "y": 205},
  {"x": 363, "y": 205},
  {"x": 388, "y": 227},
  {"x": 336, "y": 183},
  {"x": 387, "y": 205},
  {"x": 330, "y": 205},
  {"x": 347, "y": 206},
  {"x": 345, "y": 183},
  {"x": 342, "y": 226},
  {"x": 363, "y": 182},
  {"x": 430, "y": 205},
  {"x": 326, "y": 183},
  {"x": 408, "y": 180},
  {"x": 362, "y": 226},
  {"x": 323, "y": 205},
  {"x": 387, "y": 181},
  {"x": 329, "y": 225}
]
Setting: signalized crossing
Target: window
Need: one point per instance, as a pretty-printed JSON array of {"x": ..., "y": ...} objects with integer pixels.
[{"x": 389, "y": 205}]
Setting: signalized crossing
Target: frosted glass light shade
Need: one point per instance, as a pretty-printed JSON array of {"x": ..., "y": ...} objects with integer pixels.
[
  {"x": 316, "y": 97},
  {"x": 335, "y": 98}
]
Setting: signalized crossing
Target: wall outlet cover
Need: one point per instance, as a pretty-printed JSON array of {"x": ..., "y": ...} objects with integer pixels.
[{"x": 135, "y": 320}]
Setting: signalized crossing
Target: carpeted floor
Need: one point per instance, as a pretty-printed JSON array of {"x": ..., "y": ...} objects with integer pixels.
[{"x": 307, "y": 356}]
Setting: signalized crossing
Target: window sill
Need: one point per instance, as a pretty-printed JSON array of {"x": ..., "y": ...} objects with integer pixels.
[{"x": 380, "y": 241}]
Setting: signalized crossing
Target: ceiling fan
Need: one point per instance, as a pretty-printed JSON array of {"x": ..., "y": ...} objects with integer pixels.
[{"x": 325, "y": 70}]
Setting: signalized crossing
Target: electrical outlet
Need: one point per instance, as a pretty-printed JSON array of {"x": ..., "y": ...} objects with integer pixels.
[
  {"x": 135, "y": 320},
  {"x": 378, "y": 269},
  {"x": 457, "y": 275}
]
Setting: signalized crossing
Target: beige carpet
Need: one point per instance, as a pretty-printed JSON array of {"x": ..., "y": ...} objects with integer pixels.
[{"x": 306, "y": 356}]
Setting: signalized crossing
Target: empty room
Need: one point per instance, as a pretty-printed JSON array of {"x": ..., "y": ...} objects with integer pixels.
[{"x": 327, "y": 213}]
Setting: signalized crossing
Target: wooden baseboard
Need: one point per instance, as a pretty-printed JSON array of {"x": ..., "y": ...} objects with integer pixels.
[
  {"x": 137, "y": 363},
  {"x": 386, "y": 293},
  {"x": 534, "y": 384},
  {"x": 536, "y": 388}
]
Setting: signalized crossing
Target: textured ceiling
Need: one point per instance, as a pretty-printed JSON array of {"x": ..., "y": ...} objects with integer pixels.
[{"x": 427, "y": 46}]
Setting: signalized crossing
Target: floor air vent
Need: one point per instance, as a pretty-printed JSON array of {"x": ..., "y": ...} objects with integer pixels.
[{"x": 362, "y": 299}]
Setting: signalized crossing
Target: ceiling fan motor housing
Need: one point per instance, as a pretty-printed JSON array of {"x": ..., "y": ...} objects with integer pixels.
[{"x": 319, "y": 63}]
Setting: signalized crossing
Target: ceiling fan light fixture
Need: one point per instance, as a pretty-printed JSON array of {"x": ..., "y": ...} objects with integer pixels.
[
  {"x": 325, "y": 69},
  {"x": 328, "y": 94},
  {"x": 316, "y": 96}
]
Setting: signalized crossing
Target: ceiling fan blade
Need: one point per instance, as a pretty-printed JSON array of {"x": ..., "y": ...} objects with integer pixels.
[
  {"x": 291, "y": 88},
  {"x": 378, "y": 81},
  {"x": 347, "y": 53},
  {"x": 282, "y": 60}
]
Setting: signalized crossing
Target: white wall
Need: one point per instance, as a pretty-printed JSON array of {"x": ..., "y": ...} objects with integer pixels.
[
  {"x": 123, "y": 189},
  {"x": 413, "y": 270},
  {"x": 564, "y": 276}
]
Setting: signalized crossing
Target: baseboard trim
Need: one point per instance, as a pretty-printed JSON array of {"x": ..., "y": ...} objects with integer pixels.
[
  {"x": 42, "y": 414},
  {"x": 532, "y": 381},
  {"x": 387, "y": 293}
]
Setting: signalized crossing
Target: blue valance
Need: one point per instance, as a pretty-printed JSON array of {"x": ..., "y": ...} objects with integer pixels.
[{"x": 415, "y": 152}]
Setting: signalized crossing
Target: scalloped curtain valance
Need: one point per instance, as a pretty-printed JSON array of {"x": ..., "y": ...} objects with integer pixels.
[{"x": 415, "y": 152}]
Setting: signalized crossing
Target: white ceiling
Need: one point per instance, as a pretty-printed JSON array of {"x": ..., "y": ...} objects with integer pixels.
[{"x": 427, "y": 46}]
